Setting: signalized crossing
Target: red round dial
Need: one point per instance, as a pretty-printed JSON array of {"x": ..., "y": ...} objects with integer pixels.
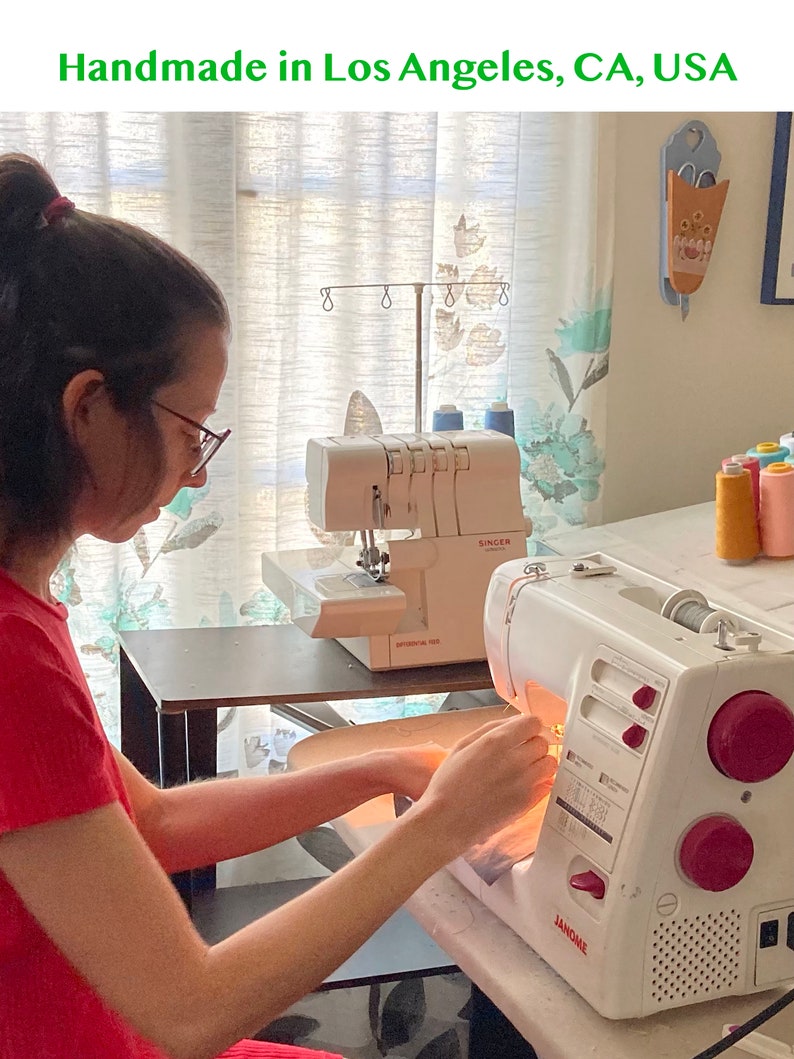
[
  {"x": 716, "y": 853},
  {"x": 751, "y": 736}
]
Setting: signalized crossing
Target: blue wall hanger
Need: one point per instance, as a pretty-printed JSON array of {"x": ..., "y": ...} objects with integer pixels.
[{"x": 692, "y": 153}]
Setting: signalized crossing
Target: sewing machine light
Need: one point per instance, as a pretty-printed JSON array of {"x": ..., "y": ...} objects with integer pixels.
[
  {"x": 549, "y": 708},
  {"x": 556, "y": 739}
]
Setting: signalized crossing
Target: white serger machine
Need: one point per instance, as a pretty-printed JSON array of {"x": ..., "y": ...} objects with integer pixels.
[
  {"x": 663, "y": 873},
  {"x": 436, "y": 514}
]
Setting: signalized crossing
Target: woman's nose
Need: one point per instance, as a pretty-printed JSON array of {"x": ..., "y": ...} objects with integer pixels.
[{"x": 196, "y": 481}]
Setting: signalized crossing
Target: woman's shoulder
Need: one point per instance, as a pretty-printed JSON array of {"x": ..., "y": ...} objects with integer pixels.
[
  {"x": 15, "y": 599},
  {"x": 32, "y": 628},
  {"x": 25, "y": 639}
]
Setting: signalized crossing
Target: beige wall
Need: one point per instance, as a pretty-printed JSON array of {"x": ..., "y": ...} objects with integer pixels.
[{"x": 683, "y": 395}]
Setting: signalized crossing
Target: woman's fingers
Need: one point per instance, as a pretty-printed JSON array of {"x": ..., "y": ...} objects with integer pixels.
[{"x": 518, "y": 729}]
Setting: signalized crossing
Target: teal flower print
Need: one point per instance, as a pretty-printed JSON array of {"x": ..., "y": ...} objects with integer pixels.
[
  {"x": 264, "y": 608},
  {"x": 560, "y": 458},
  {"x": 587, "y": 330},
  {"x": 185, "y": 500}
]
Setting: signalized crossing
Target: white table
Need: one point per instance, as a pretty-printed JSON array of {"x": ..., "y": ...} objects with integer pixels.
[
  {"x": 679, "y": 546},
  {"x": 676, "y": 546}
]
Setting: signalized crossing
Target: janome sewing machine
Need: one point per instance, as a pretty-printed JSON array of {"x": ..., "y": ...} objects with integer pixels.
[
  {"x": 664, "y": 867},
  {"x": 435, "y": 512}
]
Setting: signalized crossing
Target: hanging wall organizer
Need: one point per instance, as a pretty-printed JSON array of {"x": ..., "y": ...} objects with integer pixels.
[{"x": 691, "y": 207}]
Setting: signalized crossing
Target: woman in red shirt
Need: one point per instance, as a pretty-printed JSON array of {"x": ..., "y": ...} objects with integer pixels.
[{"x": 112, "y": 355}]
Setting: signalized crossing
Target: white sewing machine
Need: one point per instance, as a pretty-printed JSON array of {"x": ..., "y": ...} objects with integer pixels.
[
  {"x": 664, "y": 866},
  {"x": 447, "y": 506}
]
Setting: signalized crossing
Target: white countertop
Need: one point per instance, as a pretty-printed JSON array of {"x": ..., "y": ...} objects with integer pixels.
[
  {"x": 679, "y": 546},
  {"x": 547, "y": 1011},
  {"x": 676, "y": 546}
]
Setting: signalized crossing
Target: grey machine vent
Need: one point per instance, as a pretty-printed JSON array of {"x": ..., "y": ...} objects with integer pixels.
[{"x": 695, "y": 959}]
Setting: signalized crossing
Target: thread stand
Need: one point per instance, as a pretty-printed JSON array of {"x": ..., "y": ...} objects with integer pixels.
[{"x": 419, "y": 291}]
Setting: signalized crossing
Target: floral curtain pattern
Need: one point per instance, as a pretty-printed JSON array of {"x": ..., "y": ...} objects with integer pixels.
[{"x": 510, "y": 214}]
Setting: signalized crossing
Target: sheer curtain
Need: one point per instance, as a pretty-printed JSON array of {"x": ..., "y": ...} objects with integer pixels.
[{"x": 278, "y": 206}]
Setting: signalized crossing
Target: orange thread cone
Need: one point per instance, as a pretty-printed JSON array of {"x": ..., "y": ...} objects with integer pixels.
[{"x": 736, "y": 526}]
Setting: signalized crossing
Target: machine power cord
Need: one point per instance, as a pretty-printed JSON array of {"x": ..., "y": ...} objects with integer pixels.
[{"x": 747, "y": 1027}]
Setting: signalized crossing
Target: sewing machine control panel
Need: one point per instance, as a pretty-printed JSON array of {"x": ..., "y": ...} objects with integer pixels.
[{"x": 607, "y": 739}]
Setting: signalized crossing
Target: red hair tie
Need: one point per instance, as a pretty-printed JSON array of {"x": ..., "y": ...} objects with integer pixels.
[{"x": 57, "y": 209}]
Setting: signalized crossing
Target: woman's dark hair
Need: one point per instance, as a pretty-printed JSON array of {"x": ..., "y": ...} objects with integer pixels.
[{"x": 80, "y": 291}]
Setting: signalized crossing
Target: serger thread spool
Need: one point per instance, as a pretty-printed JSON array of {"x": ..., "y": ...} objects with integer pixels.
[
  {"x": 768, "y": 452},
  {"x": 787, "y": 441},
  {"x": 447, "y": 417},
  {"x": 777, "y": 510},
  {"x": 500, "y": 417},
  {"x": 754, "y": 467},
  {"x": 736, "y": 525}
]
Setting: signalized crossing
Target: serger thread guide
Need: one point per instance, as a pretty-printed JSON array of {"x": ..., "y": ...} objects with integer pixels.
[
  {"x": 435, "y": 513},
  {"x": 663, "y": 873}
]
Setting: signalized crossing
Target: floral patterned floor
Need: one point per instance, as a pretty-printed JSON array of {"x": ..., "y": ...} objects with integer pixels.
[{"x": 417, "y": 1018}]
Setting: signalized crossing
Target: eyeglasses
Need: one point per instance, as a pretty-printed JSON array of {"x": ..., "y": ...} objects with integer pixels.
[{"x": 210, "y": 441}]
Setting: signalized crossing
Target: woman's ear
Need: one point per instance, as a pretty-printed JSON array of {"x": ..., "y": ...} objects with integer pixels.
[{"x": 79, "y": 400}]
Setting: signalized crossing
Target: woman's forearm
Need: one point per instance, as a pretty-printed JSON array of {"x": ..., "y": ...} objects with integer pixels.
[
  {"x": 331, "y": 922},
  {"x": 206, "y": 822},
  {"x": 74, "y": 876}
]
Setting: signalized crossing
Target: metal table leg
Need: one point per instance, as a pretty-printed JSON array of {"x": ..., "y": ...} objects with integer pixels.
[
  {"x": 139, "y": 737},
  {"x": 491, "y": 1036},
  {"x": 168, "y": 748}
]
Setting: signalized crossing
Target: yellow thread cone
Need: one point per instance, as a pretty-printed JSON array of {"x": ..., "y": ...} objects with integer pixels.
[{"x": 736, "y": 526}]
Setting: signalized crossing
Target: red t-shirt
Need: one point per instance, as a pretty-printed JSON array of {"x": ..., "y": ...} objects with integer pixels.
[{"x": 55, "y": 762}]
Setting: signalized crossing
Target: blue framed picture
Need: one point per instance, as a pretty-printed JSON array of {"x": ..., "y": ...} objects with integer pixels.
[{"x": 777, "y": 280}]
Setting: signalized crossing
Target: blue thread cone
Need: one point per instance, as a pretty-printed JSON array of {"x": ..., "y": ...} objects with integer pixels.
[
  {"x": 500, "y": 417},
  {"x": 447, "y": 417}
]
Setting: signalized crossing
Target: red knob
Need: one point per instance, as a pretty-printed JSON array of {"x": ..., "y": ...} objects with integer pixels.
[
  {"x": 634, "y": 736},
  {"x": 590, "y": 882},
  {"x": 716, "y": 853},
  {"x": 751, "y": 736},
  {"x": 643, "y": 697}
]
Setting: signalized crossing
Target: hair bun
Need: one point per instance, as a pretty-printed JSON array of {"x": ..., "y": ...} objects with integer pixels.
[
  {"x": 26, "y": 190},
  {"x": 57, "y": 209}
]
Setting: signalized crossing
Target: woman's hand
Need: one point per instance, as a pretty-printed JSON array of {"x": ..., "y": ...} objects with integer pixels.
[
  {"x": 490, "y": 778},
  {"x": 409, "y": 769}
]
